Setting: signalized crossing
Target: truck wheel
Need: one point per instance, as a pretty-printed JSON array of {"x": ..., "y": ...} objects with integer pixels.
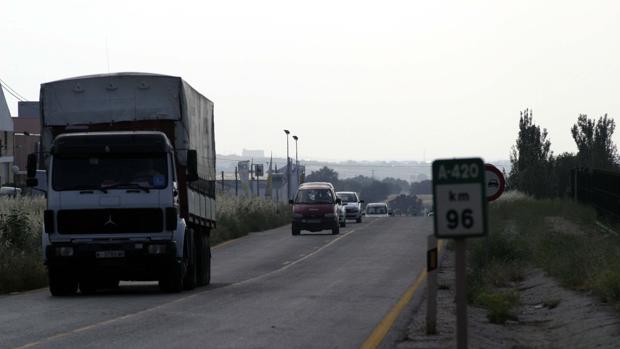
[
  {"x": 343, "y": 223},
  {"x": 295, "y": 231},
  {"x": 358, "y": 220},
  {"x": 336, "y": 230},
  {"x": 61, "y": 284},
  {"x": 172, "y": 281},
  {"x": 189, "y": 281},
  {"x": 203, "y": 258}
]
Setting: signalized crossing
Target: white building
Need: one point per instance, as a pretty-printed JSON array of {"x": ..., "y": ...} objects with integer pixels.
[{"x": 6, "y": 142}]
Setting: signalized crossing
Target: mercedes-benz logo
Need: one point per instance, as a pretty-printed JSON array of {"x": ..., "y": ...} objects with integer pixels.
[{"x": 109, "y": 221}]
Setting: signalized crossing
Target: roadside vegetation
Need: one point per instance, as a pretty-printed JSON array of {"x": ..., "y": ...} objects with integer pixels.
[
  {"x": 21, "y": 221},
  {"x": 21, "y": 262},
  {"x": 558, "y": 236},
  {"x": 238, "y": 216}
]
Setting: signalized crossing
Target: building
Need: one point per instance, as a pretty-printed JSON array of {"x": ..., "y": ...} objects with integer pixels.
[
  {"x": 6, "y": 142},
  {"x": 27, "y": 129}
]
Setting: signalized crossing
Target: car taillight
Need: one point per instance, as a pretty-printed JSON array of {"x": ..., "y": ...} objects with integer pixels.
[
  {"x": 171, "y": 218},
  {"x": 48, "y": 221}
]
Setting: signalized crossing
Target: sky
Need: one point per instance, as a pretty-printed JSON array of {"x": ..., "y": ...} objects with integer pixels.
[{"x": 354, "y": 80}]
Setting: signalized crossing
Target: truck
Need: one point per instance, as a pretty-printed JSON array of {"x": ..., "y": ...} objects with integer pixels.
[{"x": 130, "y": 160}]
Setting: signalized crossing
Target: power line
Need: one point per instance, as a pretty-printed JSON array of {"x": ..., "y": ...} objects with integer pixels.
[{"x": 10, "y": 90}]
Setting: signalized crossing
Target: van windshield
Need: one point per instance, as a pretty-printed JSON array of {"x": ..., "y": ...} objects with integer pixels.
[
  {"x": 105, "y": 171},
  {"x": 314, "y": 196},
  {"x": 347, "y": 197}
]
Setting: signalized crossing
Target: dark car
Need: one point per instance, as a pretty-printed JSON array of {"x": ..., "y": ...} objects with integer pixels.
[{"x": 317, "y": 208}]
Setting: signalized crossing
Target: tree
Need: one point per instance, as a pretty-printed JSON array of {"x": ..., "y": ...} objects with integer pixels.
[
  {"x": 423, "y": 187},
  {"x": 324, "y": 174},
  {"x": 531, "y": 159},
  {"x": 562, "y": 167},
  {"x": 594, "y": 144}
]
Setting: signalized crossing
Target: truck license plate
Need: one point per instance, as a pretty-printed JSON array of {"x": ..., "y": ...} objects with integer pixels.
[
  {"x": 110, "y": 254},
  {"x": 315, "y": 221}
]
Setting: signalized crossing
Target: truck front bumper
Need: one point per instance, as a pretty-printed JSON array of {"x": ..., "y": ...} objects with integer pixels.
[{"x": 120, "y": 260}]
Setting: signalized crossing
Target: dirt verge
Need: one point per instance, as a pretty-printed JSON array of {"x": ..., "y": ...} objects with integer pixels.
[{"x": 548, "y": 316}]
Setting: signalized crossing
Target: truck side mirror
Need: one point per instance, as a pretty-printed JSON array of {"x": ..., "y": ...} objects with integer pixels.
[
  {"x": 192, "y": 165},
  {"x": 31, "y": 171},
  {"x": 291, "y": 202},
  {"x": 361, "y": 201},
  {"x": 339, "y": 201}
]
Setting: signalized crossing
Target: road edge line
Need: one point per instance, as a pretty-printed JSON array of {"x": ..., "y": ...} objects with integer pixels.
[{"x": 385, "y": 325}]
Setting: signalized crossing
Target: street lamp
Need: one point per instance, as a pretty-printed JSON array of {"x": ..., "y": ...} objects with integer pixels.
[
  {"x": 296, "y": 160},
  {"x": 288, "y": 169}
]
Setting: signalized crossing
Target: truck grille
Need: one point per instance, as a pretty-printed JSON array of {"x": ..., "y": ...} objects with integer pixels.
[{"x": 105, "y": 221}]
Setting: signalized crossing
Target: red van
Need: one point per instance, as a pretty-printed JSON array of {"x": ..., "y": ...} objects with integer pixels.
[{"x": 316, "y": 207}]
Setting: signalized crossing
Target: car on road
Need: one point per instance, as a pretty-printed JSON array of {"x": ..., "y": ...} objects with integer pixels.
[
  {"x": 316, "y": 207},
  {"x": 352, "y": 205},
  {"x": 377, "y": 209}
]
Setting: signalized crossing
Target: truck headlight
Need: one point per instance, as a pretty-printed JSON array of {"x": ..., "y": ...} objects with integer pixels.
[
  {"x": 64, "y": 251},
  {"x": 157, "y": 249},
  {"x": 329, "y": 215}
]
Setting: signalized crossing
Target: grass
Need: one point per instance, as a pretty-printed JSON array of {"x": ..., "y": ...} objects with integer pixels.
[
  {"x": 237, "y": 216},
  {"x": 21, "y": 220},
  {"x": 559, "y": 236}
]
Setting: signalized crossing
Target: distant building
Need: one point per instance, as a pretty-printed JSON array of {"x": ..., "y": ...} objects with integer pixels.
[
  {"x": 248, "y": 153},
  {"x": 6, "y": 142}
]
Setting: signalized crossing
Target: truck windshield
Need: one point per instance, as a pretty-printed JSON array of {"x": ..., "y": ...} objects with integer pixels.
[{"x": 109, "y": 171}]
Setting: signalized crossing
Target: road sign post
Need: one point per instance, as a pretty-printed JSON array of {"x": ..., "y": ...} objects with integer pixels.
[{"x": 460, "y": 206}]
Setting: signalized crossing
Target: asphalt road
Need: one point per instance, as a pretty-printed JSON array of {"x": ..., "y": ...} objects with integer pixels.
[{"x": 269, "y": 290}]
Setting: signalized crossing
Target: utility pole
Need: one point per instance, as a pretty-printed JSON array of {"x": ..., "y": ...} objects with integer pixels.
[
  {"x": 222, "y": 181},
  {"x": 296, "y": 160},
  {"x": 288, "y": 169},
  {"x": 236, "y": 181}
]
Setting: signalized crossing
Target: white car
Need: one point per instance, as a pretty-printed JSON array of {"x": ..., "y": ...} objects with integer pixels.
[
  {"x": 377, "y": 209},
  {"x": 352, "y": 205}
]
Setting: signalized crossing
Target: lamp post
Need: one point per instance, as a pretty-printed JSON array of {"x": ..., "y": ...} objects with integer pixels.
[
  {"x": 288, "y": 169},
  {"x": 296, "y": 160}
]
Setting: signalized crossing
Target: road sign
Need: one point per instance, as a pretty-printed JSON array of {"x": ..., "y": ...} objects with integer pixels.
[
  {"x": 459, "y": 198},
  {"x": 495, "y": 182}
]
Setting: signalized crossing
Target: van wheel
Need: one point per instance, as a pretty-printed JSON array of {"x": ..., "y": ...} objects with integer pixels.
[
  {"x": 295, "y": 231},
  {"x": 336, "y": 230},
  {"x": 359, "y": 220},
  {"x": 343, "y": 223}
]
